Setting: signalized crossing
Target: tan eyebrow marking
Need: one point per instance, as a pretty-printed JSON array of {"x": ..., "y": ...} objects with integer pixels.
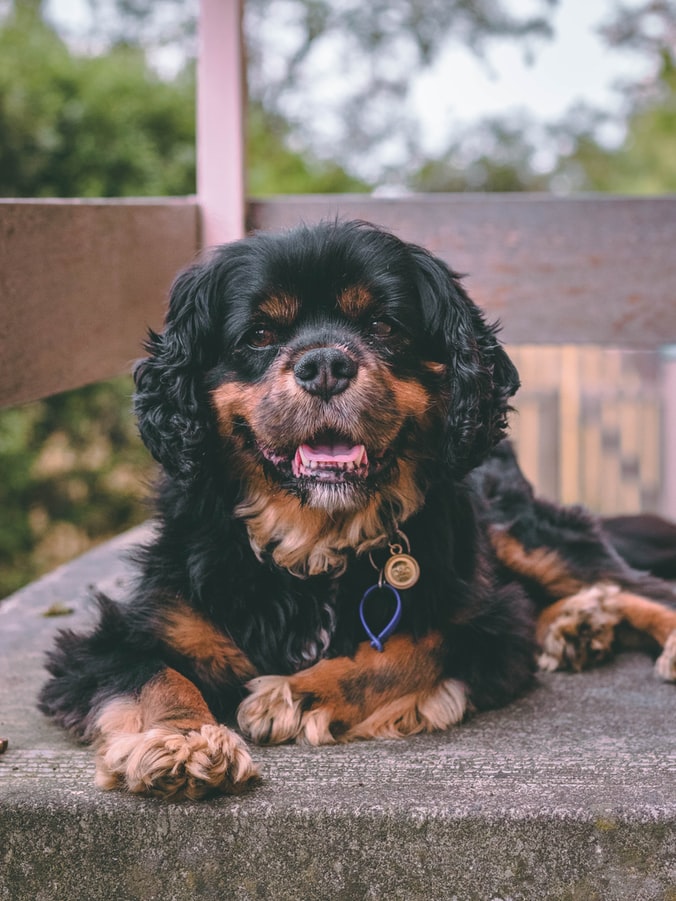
[
  {"x": 282, "y": 309},
  {"x": 355, "y": 301}
]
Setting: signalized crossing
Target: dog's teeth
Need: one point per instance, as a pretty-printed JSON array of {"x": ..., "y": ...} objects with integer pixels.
[{"x": 321, "y": 461}]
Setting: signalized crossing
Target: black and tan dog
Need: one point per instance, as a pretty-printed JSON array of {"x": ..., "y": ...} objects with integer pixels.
[{"x": 344, "y": 548}]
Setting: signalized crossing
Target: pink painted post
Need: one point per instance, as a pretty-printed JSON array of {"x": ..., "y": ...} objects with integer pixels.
[
  {"x": 668, "y": 492},
  {"x": 220, "y": 121}
]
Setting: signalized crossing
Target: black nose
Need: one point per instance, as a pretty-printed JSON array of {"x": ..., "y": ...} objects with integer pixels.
[{"x": 325, "y": 371}]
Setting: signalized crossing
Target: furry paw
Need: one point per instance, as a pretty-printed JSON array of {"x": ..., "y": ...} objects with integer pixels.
[
  {"x": 166, "y": 763},
  {"x": 273, "y": 713},
  {"x": 665, "y": 665},
  {"x": 582, "y": 632}
]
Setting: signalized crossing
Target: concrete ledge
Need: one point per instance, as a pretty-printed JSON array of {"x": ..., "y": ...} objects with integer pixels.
[{"x": 568, "y": 794}]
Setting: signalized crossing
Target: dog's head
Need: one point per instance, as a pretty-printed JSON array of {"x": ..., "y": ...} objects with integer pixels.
[{"x": 332, "y": 365}]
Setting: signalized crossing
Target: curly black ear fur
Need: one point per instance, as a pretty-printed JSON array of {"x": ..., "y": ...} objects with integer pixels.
[
  {"x": 171, "y": 401},
  {"x": 481, "y": 377}
]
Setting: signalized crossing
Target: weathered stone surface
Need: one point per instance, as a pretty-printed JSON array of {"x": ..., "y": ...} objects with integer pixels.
[{"x": 568, "y": 794}]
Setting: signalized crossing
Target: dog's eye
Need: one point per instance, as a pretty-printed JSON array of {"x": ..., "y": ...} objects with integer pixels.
[
  {"x": 262, "y": 337},
  {"x": 379, "y": 328}
]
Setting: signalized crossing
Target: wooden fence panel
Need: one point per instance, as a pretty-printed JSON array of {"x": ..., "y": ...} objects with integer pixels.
[{"x": 80, "y": 282}]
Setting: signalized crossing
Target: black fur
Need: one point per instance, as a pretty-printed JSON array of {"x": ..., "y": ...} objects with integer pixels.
[
  {"x": 582, "y": 541},
  {"x": 202, "y": 554}
]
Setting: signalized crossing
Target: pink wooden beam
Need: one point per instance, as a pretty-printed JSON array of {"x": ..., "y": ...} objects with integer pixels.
[
  {"x": 668, "y": 493},
  {"x": 220, "y": 121}
]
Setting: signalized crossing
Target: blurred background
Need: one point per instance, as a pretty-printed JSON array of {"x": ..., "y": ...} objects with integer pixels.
[{"x": 391, "y": 96}]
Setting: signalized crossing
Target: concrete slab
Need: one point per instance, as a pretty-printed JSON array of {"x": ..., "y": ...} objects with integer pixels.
[{"x": 568, "y": 794}]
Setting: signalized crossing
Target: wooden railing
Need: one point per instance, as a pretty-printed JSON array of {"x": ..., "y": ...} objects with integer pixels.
[{"x": 81, "y": 280}]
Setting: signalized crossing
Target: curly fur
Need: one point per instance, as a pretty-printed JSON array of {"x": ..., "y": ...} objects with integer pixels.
[{"x": 344, "y": 339}]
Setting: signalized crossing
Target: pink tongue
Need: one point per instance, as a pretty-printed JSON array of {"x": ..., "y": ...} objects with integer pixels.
[{"x": 334, "y": 453}]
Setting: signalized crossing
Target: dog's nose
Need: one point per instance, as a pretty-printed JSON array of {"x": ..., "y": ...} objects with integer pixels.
[{"x": 325, "y": 371}]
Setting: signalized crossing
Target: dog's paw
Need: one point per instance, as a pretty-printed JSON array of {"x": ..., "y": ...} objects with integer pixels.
[
  {"x": 274, "y": 713},
  {"x": 665, "y": 665},
  {"x": 167, "y": 763},
  {"x": 582, "y": 632}
]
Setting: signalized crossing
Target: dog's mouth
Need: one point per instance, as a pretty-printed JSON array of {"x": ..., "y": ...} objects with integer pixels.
[{"x": 328, "y": 458}]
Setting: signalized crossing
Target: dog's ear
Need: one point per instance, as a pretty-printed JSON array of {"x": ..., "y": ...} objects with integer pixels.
[
  {"x": 480, "y": 377},
  {"x": 171, "y": 402}
]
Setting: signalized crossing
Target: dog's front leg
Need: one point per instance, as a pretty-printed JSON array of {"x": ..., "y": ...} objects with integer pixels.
[
  {"x": 396, "y": 692},
  {"x": 165, "y": 742}
]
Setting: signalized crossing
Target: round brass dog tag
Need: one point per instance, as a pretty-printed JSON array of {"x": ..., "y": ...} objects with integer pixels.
[{"x": 401, "y": 571}]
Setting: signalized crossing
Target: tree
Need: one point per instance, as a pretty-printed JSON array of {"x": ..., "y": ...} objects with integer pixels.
[
  {"x": 88, "y": 126},
  {"x": 494, "y": 155},
  {"x": 645, "y": 161},
  {"x": 338, "y": 73},
  {"x": 377, "y": 48}
]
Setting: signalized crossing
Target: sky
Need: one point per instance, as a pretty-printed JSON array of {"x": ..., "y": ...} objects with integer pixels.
[{"x": 575, "y": 66}]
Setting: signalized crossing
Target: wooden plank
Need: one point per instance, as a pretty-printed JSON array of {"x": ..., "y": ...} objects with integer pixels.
[
  {"x": 591, "y": 270},
  {"x": 80, "y": 282}
]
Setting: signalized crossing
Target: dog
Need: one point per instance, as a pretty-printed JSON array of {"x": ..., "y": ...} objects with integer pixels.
[{"x": 345, "y": 545}]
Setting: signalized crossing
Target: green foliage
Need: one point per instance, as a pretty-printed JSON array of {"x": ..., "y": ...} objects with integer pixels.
[
  {"x": 73, "y": 468},
  {"x": 494, "y": 156},
  {"x": 273, "y": 168},
  {"x": 296, "y": 49},
  {"x": 645, "y": 163},
  {"x": 74, "y": 473},
  {"x": 89, "y": 126}
]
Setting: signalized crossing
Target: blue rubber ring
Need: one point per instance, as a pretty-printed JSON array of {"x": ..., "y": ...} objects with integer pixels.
[{"x": 377, "y": 641}]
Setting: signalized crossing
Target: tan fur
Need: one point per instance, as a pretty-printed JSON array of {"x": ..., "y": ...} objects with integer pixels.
[
  {"x": 665, "y": 665},
  {"x": 350, "y": 412},
  {"x": 281, "y": 309},
  {"x": 414, "y": 713},
  {"x": 372, "y": 695},
  {"x": 310, "y": 540},
  {"x": 167, "y": 744},
  {"x": 235, "y": 399},
  {"x": 355, "y": 301},
  {"x": 215, "y": 657},
  {"x": 307, "y": 542},
  {"x": 577, "y": 631},
  {"x": 543, "y": 565},
  {"x": 435, "y": 367},
  {"x": 645, "y": 615},
  {"x": 655, "y": 620},
  {"x": 273, "y": 714}
]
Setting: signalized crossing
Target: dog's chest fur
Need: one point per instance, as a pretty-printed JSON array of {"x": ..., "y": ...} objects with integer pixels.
[{"x": 284, "y": 622}]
